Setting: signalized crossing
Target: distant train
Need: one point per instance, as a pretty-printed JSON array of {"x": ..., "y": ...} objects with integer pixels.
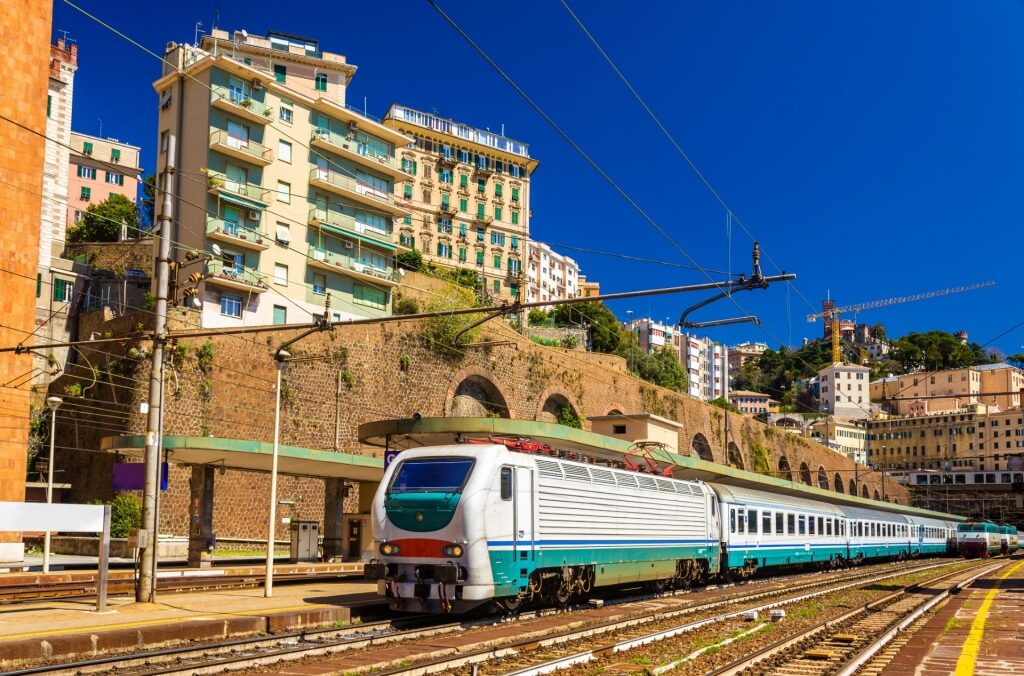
[{"x": 460, "y": 526}]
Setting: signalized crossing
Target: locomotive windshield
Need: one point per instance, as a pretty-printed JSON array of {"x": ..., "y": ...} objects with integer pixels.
[{"x": 431, "y": 475}]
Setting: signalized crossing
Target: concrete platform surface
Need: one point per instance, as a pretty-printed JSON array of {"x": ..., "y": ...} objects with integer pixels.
[
  {"x": 979, "y": 631},
  {"x": 70, "y": 628}
]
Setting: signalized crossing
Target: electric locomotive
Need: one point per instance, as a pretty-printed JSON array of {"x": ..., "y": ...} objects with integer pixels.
[{"x": 978, "y": 539}]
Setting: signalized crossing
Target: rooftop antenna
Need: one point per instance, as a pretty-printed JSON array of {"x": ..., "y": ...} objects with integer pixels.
[
  {"x": 216, "y": 17},
  {"x": 199, "y": 31},
  {"x": 100, "y": 120},
  {"x": 64, "y": 35}
]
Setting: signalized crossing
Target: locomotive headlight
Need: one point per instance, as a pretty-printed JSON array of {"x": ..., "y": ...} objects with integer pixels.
[
  {"x": 389, "y": 549},
  {"x": 419, "y": 517},
  {"x": 453, "y": 550}
]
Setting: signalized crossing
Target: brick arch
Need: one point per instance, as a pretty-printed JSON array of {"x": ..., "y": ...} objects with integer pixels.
[
  {"x": 837, "y": 484},
  {"x": 877, "y": 497},
  {"x": 473, "y": 393},
  {"x": 864, "y": 492},
  {"x": 702, "y": 448},
  {"x": 822, "y": 477},
  {"x": 784, "y": 469},
  {"x": 805, "y": 474},
  {"x": 735, "y": 456},
  {"x": 551, "y": 401}
]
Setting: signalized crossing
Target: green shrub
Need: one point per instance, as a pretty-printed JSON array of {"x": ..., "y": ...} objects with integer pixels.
[
  {"x": 125, "y": 514},
  {"x": 569, "y": 418},
  {"x": 405, "y": 306}
]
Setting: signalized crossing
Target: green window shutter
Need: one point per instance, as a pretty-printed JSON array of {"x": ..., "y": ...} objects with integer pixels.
[
  {"x": 86, "y": 193},
  {"x": 515, "y": 242},
  {"x": 463, "y": 205},
  {"x": 497, "y": 262},
  {"x": 463, "y": 181},
  {"x": 479, "y": 257},
  {"x": 108, "y": 175},
  {"x": 481, "y": 185},
  {"x": 497, "y": 286},
  {"x": 49, "y": 104},
  {"x": 497, "y": 190},
  {"x": 407, "y": 220},
  {"x": 414, "y": 167},
  {"x": 515, "y": 218},
  {"x": 515, "y": 194},
  {"x": 444, "y": 200},
  {"x": 120, "y": 179},
  {"x": 497, "y": 213},
  {"x": 462, "y": 254},
  {"x": 480, "y": 210},
  {"x": 321, "y": 82},
  {"x": 79, "y": 170},
  {"x": 87, "y": 148},
  {"x": 115, "y": 154},
  {"x": 462, "y": 229},
  {"x": 59, "y": 288},
  {"x": 280, "y": 73},
  {"x": 39, "y": 284},
  {"x": 408, "y": 191}
]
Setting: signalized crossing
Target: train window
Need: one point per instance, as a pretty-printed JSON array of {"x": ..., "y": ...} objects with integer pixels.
[
  {"x": 802, "y": 524},
  {"x": 766, "y": 523},
  {"x": 506, "y": 483},
  {"x": 752, "y": 520},
  {"x": 741, "y": 520},
  {"x": 780, "y": 528},
  {"x": 732, "y": 519},
  {"x": 821, "y": 525},
  {"x": 791, "y": 524},
  {"x": 828, "y": 527},
  {"x": 810, "y": 525},
  {"x": 431, "y": 475}
]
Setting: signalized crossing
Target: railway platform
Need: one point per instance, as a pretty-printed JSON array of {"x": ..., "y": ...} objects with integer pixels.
[
  {"x": 55, "y": 628},
  {"x": 976, "y": 632}
]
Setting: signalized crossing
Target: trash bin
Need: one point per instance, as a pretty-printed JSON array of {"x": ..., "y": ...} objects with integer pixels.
[{"x": 305, "y": 541}]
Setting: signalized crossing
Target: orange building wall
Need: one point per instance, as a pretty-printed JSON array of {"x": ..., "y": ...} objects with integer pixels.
[{"x": 25, "y": 23}]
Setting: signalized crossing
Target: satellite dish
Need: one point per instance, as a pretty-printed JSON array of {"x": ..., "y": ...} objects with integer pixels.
[
  {"x": 196, "y": 302},
  {"x": 401, "y": 272},
  {"x": 245, "y": 34},
  {"x": 216, "y": 250}
]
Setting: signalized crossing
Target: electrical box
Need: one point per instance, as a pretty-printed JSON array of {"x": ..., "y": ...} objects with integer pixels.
[
  {"x": 305, "y": 541},
  {"x": 138, "y": 539}
]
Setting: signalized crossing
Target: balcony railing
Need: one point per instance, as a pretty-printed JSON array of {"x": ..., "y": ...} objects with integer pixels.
[
  {"x": 246, "y": 106},
  {"x": 483, "y": 218},
  {"x": 346, "y": 222},
  {"x": 348, "y": 145},
  {"x": 346, "y": 262},
  {"x": 242, "y": 148},
  {"x": 350, "y": 184},
  {"x": 236, "y": 231},
  {"x": 219, "y": 181},
  {"x": 220, "y": 270}
]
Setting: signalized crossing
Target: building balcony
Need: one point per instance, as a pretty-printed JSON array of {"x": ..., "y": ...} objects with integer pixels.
[
  {"x": 355, "y": 190},
  {"x": 245, "y": 107},
  {"x": 236, "y": 234},
  {"x": 219, "y": 184},
  {"x": 482, "y": 172},
  {"x": 241, "y": 149},
  {"x": 449, "y": 209},
  {"x": 446, "y": 160},
  {"x": 359, "y": 119},
  {"x": 325, "y": 217},
  {"x": 349, "y": 148},
  {"x": 483, "y": 219},
  {"x": 349, "y": 265},
  {"x": 244, "y": 279}
]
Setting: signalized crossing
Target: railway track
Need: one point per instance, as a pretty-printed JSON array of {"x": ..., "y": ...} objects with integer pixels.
[
  {"x": 378, "y": 646},
  {"x": 842, "y": 645}
]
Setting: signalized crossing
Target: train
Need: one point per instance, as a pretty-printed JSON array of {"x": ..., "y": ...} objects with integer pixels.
[{"x": 461, "y": 526}]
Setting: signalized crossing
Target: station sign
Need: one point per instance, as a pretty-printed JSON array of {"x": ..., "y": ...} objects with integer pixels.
[{"x": 389, "y": 457}]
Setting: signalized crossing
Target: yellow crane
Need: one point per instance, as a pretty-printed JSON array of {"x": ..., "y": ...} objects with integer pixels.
[{"x": 832, "y": 313}]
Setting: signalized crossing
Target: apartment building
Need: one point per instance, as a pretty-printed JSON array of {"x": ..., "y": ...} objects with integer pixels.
[
  {"x": 741, "y": 354},
  {"x": 976, "y": 438},
  {"x": 588, "y": 288},
  {"x": 288, "y": 190},
  {"x": 466, "y": 193},
  {"x": 997, "y": 385},
  {"x": 99, "y": 168},
  {"x": 707, "y": 364},
  {"x": 549, "y": 274},
  {"x": 753, "y": 403},
  {"x": 849, "y": 437},
  {"x": 844, "y": 390},
  {"x": 651, "y": 335}
]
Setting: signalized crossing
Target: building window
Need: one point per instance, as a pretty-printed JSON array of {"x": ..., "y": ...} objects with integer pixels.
[
  {"x": 409, "y": 167},
  {"x": 444, "y": 250},
  {"x": 497, "y": 190},
  {"x": 407, "y": 241},
  {"x": 444, "y": 175},
  {"x": 497, "y": 213},
  {"x": 230, "y": 305},
  {"x": 115, "y": 154},
  {"x": 115, "y": 178},
  {"x": 280, "y": 314},
  {"x": 284, "y": 192},
  {"x": 280, "y": 274},
  {"x": 79, "y": 215},
  {"x": 496, "y": 286},
  {"x": 480, "y": 210},
  {"x": 479, "y": 234},
  {"x": 479, "y": 257},
  {"x": 284, "y": 151},
  {"x": 321, "y": 82},
  {"x": 86, "y": 193},
  {"x": 444, "y": 225},
  {"x": 463, "y": 179},
  {"x": 319, "y": 283},
  {"x": 462, "y": 229},
  {"x": 285, "y": 112},
  {"x": 515, "y": 217},
  {"x": 497, "y": 262},
  {"x": 49, "y": 105},
  {"x": 87, "y": 148},
  {"x": 498, "y": 238},
  {"x": 364, "y": 295},
  {"x": 407, "y": 192},
  {"x": 163, "y": 141},
  {"x": 63, "y": 290},
  {"x": 280, "y": 73},
  {"x": 462, "y": 254},
  {"x": 463, "y": 205},
  {"x": 515, "y": 194},
  {"x": 86, "y": 172}
]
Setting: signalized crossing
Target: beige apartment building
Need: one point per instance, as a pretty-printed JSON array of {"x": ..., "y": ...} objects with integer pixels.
[
  {"x": 844, "y": 390},
  {"x": 753, "y": 403},
  {"x": 849, "y": 437},
  {"x": 99, "y": 168},
  {"x": 741, "y": 354},
  {"x": 589, "y": 288},
  {"x": 996, "y": 385},
  {"x": 466, "y": 192},
  {"x": 290, "y": 190},
  {"x": 549, "y": 274}
]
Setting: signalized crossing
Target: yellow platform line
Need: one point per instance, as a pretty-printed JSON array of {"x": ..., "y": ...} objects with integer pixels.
[
  {"x": 972, "y": 646},
  {"x": 165, "y": 620}
]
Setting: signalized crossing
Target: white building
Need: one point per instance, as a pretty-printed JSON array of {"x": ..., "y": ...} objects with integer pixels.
[
  {"x": 844, "y": 390},
  {"x": 651, "y": 335},
  {"x": 707, "y": 366},
  {"x": 549, "y": 274}
]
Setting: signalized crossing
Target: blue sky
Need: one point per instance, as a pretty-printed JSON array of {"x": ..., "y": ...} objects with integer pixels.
[{"x": 872, "y": 147}]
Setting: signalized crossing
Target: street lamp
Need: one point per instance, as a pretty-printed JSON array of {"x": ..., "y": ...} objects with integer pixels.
[
  {"x": 54, "y": 403},
  {"x": 268, "y": 587}
]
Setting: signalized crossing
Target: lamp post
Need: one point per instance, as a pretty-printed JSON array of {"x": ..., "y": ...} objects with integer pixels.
[
  {"x": 268, "y": 587},
  {"x": 54, "y": 403}
]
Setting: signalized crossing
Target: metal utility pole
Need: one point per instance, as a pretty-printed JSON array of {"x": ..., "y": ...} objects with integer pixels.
[{"x": 147, "y": 569}]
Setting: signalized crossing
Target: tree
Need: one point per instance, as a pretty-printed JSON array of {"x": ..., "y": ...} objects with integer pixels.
[
  {"x": 107, "y": 221},
  {"x": 537, "y": 316},
  {"x": 147, "y": 216},
  {"x": 878, "y": 332},
  {"x": 1016, "y": 359},
  {"x": 410, "y": 260},
  {"x": 605, "y": 330}
]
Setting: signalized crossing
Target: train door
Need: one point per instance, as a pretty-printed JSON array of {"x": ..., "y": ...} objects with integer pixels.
[
  {"x": 716, "y": 534},
  {"x": 920, "y": 539},
  {"x": 523, "y": 547}
]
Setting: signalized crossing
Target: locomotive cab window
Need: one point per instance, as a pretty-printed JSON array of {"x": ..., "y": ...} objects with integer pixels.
[
  {"x": 506, "y": 483},
  {"x": 431, "y": 475}
]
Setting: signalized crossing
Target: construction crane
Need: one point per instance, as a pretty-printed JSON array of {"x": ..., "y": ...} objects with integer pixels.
[{"x": 832, "y": 313}]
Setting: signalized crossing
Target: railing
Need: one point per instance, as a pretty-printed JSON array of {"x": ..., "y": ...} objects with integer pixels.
[
  {"x": 248, "y": 190},
  {"x": 257, "y": 150},
  {"x": 350, "y": 263},
  {"x": 218, "y": 268},
  {"x": 346, "y": 183},
  {"x": 353, "y": 146},
  {"x": 346, "y": 222},
  {"x": 463, "y": 131},
  {"x": 237, "y": 98},
  {"x": 234, "y": 229}
]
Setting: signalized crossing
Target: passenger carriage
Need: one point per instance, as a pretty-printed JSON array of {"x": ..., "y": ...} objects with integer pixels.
[
  {"x": 875, "y": 534},
  {"x": 978, "y": 539},
  {"x": 932, "y": 537}
]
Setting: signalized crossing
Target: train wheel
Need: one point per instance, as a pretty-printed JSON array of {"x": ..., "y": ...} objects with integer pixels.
[
  {"x": 561, "y": 596},
  {"x": 510, "y": 604}
]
